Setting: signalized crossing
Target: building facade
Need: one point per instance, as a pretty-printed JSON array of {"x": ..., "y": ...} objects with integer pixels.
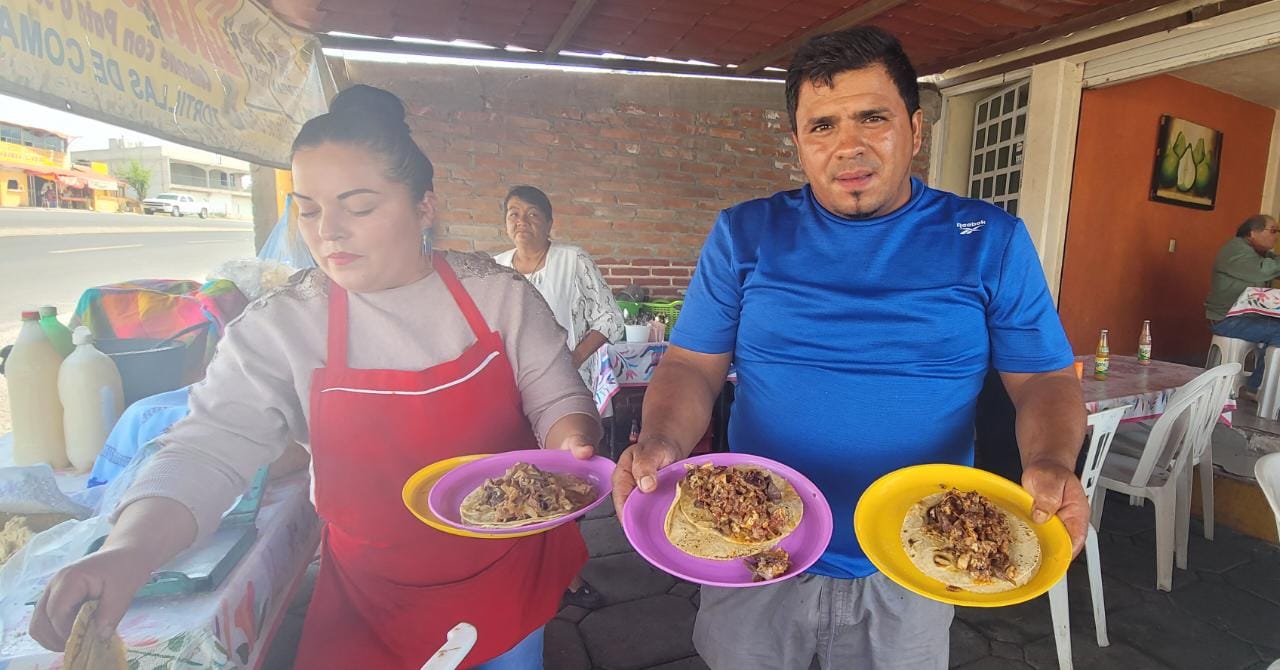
[
  {"x": 36, "y": 171},
  {"x": 222, "y": 182}
]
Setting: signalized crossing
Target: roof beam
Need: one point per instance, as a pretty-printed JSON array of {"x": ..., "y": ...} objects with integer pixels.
[
  {"x": 571, "y": 22},
  {"x": 861, "y": 14},
  {"x": 1133, "y": 32},
  {"x": 380, "y": 45},
  {"x": 1049, "y": 32}
]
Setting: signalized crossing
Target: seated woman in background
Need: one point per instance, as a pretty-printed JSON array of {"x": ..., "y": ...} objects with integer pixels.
[
  {"x": 564, "y": 274},
  {"x": 578, "y": 295}
]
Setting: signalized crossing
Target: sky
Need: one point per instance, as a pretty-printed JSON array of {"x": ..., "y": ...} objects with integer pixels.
[{"x": 86, "y": 134}]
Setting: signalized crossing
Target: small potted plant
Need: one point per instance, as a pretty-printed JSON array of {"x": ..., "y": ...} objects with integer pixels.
[{"x": 637, "y": 325}]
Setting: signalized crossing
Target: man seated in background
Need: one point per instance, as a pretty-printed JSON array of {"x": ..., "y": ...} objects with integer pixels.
[{"x": 1246, "y": 260}]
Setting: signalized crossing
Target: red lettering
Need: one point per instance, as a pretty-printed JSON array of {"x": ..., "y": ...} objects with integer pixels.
[{"x": 181, "y": 23}]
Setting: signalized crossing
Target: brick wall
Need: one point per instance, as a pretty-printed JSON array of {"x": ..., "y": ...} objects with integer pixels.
[{"x": 636, "y": 166}]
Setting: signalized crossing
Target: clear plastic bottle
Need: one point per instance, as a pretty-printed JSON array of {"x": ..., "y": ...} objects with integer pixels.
[
  {"x": 58, "y": 334},
  {"x": 92, "y": 400},
  {"x": 32, "y": 373}
]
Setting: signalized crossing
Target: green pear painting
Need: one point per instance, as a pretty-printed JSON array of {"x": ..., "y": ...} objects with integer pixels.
[{"x": 1187, "y": 160}]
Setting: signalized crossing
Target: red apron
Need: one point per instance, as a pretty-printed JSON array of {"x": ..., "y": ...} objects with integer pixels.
[{"x": 389, "y": 586}]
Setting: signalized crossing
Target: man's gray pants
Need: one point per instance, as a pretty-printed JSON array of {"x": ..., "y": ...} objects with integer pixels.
[{"x": 814, "y": 621}]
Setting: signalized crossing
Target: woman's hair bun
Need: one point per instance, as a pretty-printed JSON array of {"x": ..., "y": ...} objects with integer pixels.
[{"x": 365, "y": 102}]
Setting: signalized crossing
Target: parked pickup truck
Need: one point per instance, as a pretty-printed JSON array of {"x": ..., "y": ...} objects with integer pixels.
[{"x": 175, "y": 204}]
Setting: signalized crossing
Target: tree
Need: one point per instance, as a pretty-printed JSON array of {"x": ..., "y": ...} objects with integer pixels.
[{"x": 138, "y": 177}]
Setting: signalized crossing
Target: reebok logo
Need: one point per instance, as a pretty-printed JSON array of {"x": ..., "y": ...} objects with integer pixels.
[{"x": 971, "y": 227}]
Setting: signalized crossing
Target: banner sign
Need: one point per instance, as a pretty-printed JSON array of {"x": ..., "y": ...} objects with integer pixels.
[{"x": 222, "y": 75}]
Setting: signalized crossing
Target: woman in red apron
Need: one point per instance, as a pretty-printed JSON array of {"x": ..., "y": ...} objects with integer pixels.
[{"x": 389, "y": 587}]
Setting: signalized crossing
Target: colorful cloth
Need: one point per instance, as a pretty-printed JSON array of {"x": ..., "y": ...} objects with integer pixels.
[
  {"x": 1254, "y": 300},
  {"x": 628, "y": 364},
  {"x": 162, "y": 308}
]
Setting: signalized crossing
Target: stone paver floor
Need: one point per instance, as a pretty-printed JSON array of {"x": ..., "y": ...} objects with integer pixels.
[{"x": 1223, "y": 613}]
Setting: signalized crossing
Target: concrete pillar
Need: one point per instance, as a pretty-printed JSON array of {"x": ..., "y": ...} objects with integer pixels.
[
  {"x": 266, "y": 210},
  {"x": 1052, "y": 120},
  {"x": 1271, "y": 187}
]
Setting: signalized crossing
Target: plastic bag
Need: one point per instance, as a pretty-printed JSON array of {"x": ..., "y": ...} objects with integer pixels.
[
  {"x": 255, "y": 277},
  {"x": 24, "y": 576},
  {"x": 284, "y": 246},
  {"x": 33, "y": 490}
]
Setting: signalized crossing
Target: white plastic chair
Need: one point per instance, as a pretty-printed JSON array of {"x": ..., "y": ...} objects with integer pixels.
[
  {"x": 1162, "y": 472},
  {"x": 1223, "y": 349},
  {"x": 1103, "y": 425},
  {"x": 1267, "y": 470},
  {"x": 1269, "y": 393},
  {"x": 1132, "y": 445}
]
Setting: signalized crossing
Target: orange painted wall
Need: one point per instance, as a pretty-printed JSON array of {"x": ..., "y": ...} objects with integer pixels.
[{"x": 1117, "y": 269}]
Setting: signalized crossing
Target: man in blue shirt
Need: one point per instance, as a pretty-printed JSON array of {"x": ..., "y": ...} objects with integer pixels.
[{"x": 862, "y": 313}]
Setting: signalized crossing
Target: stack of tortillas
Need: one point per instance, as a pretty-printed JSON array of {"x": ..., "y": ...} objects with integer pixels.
[{"x": 86, "y": 650}]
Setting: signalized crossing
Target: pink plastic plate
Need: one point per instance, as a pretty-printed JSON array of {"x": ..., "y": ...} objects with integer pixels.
[
  {"x": 446, "y": 496},
  {"x": 644, "y": 519}
]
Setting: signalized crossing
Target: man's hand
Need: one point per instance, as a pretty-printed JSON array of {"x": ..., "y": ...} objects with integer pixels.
[
  {"x": 1057, "y": 490},
  {"x": 638, "y": 467}
]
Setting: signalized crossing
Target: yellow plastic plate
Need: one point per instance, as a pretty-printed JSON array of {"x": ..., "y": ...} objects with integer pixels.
[
  {"x": 882, "y": 508},
  {"x": 418, "y": 486}
]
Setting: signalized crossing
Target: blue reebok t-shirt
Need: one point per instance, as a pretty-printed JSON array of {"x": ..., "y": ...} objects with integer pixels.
[{"x": 861, "y": 344}]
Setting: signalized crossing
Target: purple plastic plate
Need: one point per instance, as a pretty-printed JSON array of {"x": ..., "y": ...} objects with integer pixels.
[
  {"x": 644, "y": 518},
  {"x": 446, "y": 496}
]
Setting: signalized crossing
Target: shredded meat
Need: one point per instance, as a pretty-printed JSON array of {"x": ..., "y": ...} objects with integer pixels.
[
  {"x": 525, "y": 492},
  {"x": 769, "y": 564},
  {"x": 974, "y": 535},
  {"x": 742, "y": 502}
]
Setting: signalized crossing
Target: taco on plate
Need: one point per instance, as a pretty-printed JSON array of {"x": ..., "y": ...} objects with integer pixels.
[
  {"x": 969, "y": 543},
  {"x": 725, "y": 512},
  {"x": 525, "y": 495}
]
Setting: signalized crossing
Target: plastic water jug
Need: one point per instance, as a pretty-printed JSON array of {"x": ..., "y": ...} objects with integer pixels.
[
  {"x": 57, "y": 333},
  {"x": 92, "y": 399},
  {"x": 31, "y": 370}
]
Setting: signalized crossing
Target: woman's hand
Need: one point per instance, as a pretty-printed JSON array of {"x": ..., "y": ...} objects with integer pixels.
[
  {"x": 110, "y": 576},
  {"x": 580, "y": 445},
  {"x": 577, "y": 433},
  {"x": 147, "y": 534}
]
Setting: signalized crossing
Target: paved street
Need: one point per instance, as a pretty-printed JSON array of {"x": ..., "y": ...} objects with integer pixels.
[{"x": 48, "y": 257}]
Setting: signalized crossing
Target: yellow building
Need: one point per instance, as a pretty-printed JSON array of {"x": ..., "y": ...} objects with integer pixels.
[
  {"x": 36, "y": 171},
  {"x": 108, "y": 192},
  {"x": 30, "y": 162}
]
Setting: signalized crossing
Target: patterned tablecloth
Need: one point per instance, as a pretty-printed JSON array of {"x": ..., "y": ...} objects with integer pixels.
[
  {"x": 1146, "y": 387},
  {"x": 628, "y": 364},
  {"x": 230, "y": 627},
  {"x": 1264, "y": 301}
]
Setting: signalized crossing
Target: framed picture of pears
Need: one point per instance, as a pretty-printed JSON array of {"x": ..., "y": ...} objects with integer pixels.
[{"x": 1187, "y": 161}]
